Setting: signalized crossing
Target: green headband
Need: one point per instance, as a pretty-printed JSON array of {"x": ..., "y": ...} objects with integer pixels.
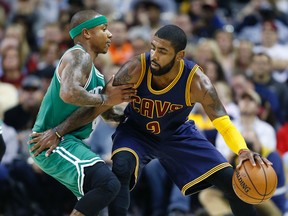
[{"x": 91, "y": 23}]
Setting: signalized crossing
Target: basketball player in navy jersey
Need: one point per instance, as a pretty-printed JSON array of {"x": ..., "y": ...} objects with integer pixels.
[{"x": 157, "y": 125}]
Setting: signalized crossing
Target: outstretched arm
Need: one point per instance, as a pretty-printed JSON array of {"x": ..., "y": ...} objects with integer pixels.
[{"x": 203, "y": 91}]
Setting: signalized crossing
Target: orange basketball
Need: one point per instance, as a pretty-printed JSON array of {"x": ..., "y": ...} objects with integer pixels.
[{"x": 254, "y": 184}]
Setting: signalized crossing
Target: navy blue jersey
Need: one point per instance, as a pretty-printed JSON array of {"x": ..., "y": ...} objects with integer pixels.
[
  {"x": 161, "y": 112},
  {"x": 157, "y": 126}
]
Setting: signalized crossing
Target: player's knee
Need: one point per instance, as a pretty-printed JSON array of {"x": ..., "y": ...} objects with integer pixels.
[{"x": 123, "y": 165}]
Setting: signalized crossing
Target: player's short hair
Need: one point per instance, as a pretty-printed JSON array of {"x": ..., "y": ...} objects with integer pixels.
[
  {"x": 175, "y": 35},
  {"x": 82, "y": 16}
]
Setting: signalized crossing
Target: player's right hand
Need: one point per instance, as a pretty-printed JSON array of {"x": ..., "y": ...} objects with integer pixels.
[
  {"x": 253, "y": 157},
  {"x": 45, "y": 140},
  {"x": 118, "y": 94}
]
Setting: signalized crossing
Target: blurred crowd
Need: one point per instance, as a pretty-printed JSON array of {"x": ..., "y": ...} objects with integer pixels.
[{"x": 242, "y": 46}]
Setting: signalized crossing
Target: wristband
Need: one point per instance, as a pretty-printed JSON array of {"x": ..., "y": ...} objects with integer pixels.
[{"x": 57, "y": 134}]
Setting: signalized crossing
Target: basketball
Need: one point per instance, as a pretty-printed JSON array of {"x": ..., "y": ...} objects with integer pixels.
[{"x": 254, "y": 184}]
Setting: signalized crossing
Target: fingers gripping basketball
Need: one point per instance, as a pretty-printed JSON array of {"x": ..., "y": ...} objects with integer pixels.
[{"x": 254, "y": 184}]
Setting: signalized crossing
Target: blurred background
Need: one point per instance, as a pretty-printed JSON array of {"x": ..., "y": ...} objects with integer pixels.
[{"x": 242, "y": 45}]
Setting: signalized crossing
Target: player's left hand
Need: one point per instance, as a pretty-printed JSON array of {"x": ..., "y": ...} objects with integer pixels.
[
  {"x": 253, "y": 157},
  {"x": 45, "y": 140}
]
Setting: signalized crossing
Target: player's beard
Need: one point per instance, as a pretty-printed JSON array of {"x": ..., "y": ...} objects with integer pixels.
[{"x": 162, "y": 70}]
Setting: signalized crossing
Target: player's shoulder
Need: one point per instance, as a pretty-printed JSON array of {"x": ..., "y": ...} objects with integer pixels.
[
  {"x": 189, "y": 63},
  {"x": 198, "y": 73},
  {"x": 200, "y": 83},
  {"x": 76, "y": 56},
  {"x": 76, "y": 53}
]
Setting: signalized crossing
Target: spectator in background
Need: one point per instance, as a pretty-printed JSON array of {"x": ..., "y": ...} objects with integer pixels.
[
  {"x": 10, "y": 143},
  {"x": 147, "y": 13},
  {"x": 225, "y": 94},
  {"x": 252, "y": 128},
  {"x": 139, "y": 38},
  {"x": 121, "y": 49},
  {"x": 224, "y": 40},
  {"x": 5, "y": 43},
  {"x": 64, "y": 21},
  {"x": 183, "y": 21},
  {"x": 249, "y": 24},
  {"x": 243, "y": 56},
  {"x": 22, "y": 116},
  {"x": 46, "y": 75},
  {"x": 277, "y": 52},
  {"x": 240, "y": 83},
  {"x": 206, "y": 50},
  {"x": 19, "y": 31},
  {"x": 207, "y": 22},
  {"x": 51, "y": 32},
  {"x": 24, "y": 13},
  {"x": 20, "y": 120},
  {"x": 268, "y": 88},
  {"x": 9, "y": 97},
  {"x": 11, "y": 63},
  {"x": 49, "y": 55},
  {"x": 46, "y": 12},
  {"x": 214, "y": 71}
]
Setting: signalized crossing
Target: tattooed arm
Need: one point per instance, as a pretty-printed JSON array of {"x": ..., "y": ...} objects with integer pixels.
[
  {"x": 203, "y": 91},
  {"x": 74, "y": 72},
  {"x": 129, "y": 73},
  {"x": 85, "y": 115}
]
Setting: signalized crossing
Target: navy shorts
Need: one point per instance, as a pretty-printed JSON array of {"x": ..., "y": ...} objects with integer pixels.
[{"x": 187, "y": 156}]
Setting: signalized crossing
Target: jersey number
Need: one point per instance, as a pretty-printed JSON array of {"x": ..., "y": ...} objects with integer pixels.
[{"x": 154, "y": 127}]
